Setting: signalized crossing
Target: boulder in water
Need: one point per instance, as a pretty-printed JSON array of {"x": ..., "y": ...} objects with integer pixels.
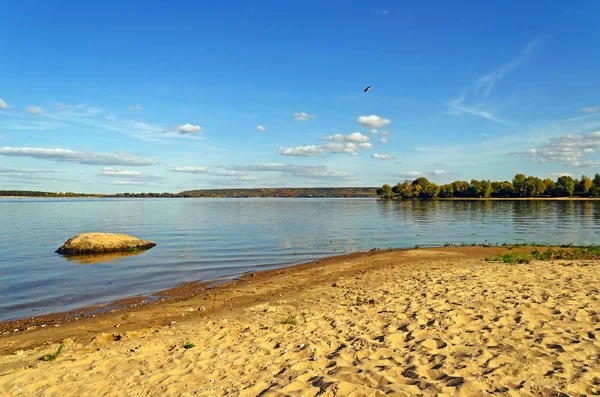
[{"x": 96, "y": 243}]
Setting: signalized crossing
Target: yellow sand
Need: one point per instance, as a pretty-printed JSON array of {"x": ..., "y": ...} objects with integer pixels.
[{"x": 439, "y": 323}]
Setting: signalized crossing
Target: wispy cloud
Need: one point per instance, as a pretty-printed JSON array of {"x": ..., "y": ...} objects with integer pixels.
[
  {"x": 66, "y": 155},
  {"x": 484, "y": 86},
  {"x": 382, "y": 156},
  {"x": 457, "y": 107},
  {"x": 136, "y": 108},
  {"x": 373, "y": 121},
  {"x": 129, "y": 175},
  {"x": 193, "y": 170},
  {"x": 210, "y": 171},
  {"x": 261, "y": 128},
  {"x": 3, "y": 104},
  {"x": 35, "y": 110},
  {"x": 488, "y": 81},
  {"x": 26, "y": 171},
  {"x": 316, "y": 171},
  {"x": 591, "y": 109},
  {"x": 302, "y": 116}
]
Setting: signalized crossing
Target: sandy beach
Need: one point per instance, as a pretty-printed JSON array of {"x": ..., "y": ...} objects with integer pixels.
[{"x": 419, "y": 322}]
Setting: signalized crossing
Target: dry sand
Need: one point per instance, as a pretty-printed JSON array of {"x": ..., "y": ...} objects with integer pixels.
[{"x": 406, "y": 323}]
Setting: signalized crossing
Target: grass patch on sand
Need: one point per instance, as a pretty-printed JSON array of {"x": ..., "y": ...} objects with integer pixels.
[
  {"x": 52, "y": 356},
  {"x": 188, "y": 345},
  {"x": 291, "y": 320},
  {"x": 590, "y": 253}
]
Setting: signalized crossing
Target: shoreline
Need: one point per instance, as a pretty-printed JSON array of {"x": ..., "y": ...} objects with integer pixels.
[
  {"x": 329, "y": 198},
  {"x": 178, "y": 293},
  {"x": 189, "y": 289},
  {"x": 193, "y": 289},
  {"x": 434, "y": 321}
]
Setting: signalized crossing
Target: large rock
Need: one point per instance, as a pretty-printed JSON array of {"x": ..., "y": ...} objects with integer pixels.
[{"x": 94, "y": 243}]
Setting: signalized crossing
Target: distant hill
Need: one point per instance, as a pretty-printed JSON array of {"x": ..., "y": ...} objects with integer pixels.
[
  {"x": 317, "y": 192},
  {"x": 320, "y": 192}
]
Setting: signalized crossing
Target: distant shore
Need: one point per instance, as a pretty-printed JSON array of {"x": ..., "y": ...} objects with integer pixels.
[
  {"x": 375, "y": 198},
  {"x": 385, "y": 322}
]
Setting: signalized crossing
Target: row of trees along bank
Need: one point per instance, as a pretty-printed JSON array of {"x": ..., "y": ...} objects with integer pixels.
[{"x": 521, "y": 186}]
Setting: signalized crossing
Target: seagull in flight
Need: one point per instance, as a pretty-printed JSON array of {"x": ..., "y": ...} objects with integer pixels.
[{"x": 367, "y": 89}]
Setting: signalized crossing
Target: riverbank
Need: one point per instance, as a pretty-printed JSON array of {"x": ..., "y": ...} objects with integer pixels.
[{"x": 439, "y": 321}]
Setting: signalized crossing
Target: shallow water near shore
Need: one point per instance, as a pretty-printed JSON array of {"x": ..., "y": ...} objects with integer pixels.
[{"x": 208, "y": 239}]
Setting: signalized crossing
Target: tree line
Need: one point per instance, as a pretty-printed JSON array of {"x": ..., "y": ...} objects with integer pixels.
[
  {"x": 521, "y": 186},
  {"x": 325, "y": 192}
]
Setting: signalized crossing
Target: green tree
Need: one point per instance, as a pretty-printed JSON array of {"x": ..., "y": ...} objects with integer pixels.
[
  {"x": 475, "y": 189},
  {"x": 385, "y": 191},
  {"x": 549, "y": 187},
  {"x": 446, "y": 191},
  {"x": 422, "y": 181},
  {"x": 597, "y": 180},
  {"x": 460, "y": 188},
  {"x": 565, "y": 186},
  {"x": 431, "y": 190},
  {"x": 532, "y": 187},
  {"x": 519, "y": 184}
]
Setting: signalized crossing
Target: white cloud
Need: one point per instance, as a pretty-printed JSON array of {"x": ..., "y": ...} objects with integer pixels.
[
  {"x": 135, "y": 108},
  {"x": 488, "y": 81},
  {"x": 381, "y": 156},
  {"x": 261, "y": 128},
  {"x": 383, "y": 140},
  {"x": 458, "y": 107},
  {"x": 193, "y": 170},
  {"x": 3, "y": 104},
  {"x": 317, "y": 171},
  {"x": 374, "y": 131},
  {"x": 569, "y": 149},
  {"x": 230, "y": 173},
  {"x": 309, "y": 150},
  {"x": 66, "y": 155},
  {"x": 365, "y": 145},
  {"x": 348, "y": 147},
  {"x": 129, "y": 175},
  {"x": 373, "y": 121},
  {"x": 35, "y": 110},
  {"x": 208, "y": 171},
  {"x": 189, "y": 128},
  {"x": 133, "y": 183},
  {"x": 355, "y": 137},
  {"x": 301, "y": 116},
  {"x": 591, "y": 109},
  {"x": 108, "y": 171},
  {"x": 26, "y": 171}
]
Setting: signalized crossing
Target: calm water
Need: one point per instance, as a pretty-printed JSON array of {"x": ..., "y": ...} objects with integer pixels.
[{"x": 207, "y": 239}]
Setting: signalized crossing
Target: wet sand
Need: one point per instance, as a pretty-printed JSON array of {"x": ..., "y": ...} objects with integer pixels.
[{"x": 423, "y": 322}]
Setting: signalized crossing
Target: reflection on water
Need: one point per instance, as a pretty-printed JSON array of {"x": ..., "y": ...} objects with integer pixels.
[
  {"x": 89, "y": 259},
  {"x": 206, "y": 239}
]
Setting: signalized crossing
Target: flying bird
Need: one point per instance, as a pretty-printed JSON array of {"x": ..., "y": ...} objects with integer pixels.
[{"x": 368, "y": 88}]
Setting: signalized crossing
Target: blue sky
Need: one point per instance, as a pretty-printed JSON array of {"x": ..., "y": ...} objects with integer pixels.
[{"x": 155, "y": 96}]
